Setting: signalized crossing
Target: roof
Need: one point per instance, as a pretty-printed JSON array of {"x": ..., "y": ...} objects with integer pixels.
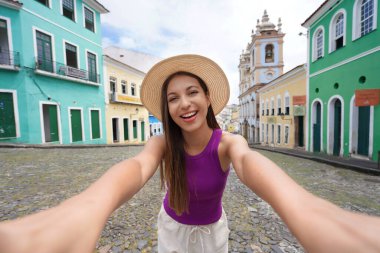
[
  {"x": 97, "y": 6},
  {"x": 323, "y": 8},
  {"x": 11, "y": 3},
  {"x": 138, "y": 60}
]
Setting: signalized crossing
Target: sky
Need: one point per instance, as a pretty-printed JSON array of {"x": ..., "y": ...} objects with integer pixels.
[{"x": 218, "y": 29}]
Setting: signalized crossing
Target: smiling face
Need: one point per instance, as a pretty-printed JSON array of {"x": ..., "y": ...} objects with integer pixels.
[{"x": 187, "y": 103}]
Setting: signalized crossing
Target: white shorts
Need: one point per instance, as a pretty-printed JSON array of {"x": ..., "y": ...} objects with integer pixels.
[{"x": 174, "y": 237}]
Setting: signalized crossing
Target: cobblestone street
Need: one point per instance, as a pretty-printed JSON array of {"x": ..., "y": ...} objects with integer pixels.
[{"x": 35, "y": 179}]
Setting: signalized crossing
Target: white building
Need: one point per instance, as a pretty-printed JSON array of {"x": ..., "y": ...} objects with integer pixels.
[{"x": 260, "y": 63}]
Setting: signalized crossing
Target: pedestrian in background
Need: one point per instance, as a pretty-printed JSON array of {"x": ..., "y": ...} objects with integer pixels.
[{"x": 194, "y": 154}]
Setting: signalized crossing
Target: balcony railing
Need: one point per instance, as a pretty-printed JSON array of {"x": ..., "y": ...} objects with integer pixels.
[
  {"x": 65, "y": 70},
  {"x": 9, "y": 58}
]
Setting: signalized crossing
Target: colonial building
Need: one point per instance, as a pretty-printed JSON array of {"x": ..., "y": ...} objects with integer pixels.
[
  {"x": 260, "y": 63},
  {"x": 344, "y": 84},
  {"x": 228, "y": 118},
  {"x": 127, "y": 119},
  {"x": 51, "y": 88},
  {"x": 282, "y": 110}
]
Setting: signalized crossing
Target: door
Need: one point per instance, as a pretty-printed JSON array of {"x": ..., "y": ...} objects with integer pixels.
[
  {"x": 50, "y": 123},
  {"x": 95, "y": 124},
  {"x": 91, "y": 62},
  {"x": 337, "y": 127},
  {"x": 5, "y": 54},
  {"x": 363, "y": 130},
  {"x": 76, "y": 125},
  {"x": 126, "y": 129},
  {"x": 142, "y": 131},
  {"x": 115, "y": 130},
  {"x": 135, "y": 129},
  {"x": 317, "y": 129},
  {"x": 300, "y": 131},
  {"x": 7, "y": 115}
]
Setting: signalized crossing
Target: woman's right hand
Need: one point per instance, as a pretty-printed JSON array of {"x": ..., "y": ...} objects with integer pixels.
[{"x": 71, "y": 227}]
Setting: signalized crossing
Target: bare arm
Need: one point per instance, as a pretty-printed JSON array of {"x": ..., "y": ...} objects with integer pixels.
[
  {"x": 319, "y": 225},
  {"x": 75, "y": 225}
]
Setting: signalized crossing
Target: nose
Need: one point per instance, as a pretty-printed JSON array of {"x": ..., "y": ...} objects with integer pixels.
[{"x": 185, "y": 102}]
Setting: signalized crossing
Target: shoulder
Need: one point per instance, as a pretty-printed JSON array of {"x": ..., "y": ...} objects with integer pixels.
[
  {"x": 155, "y": 146},
  {"x": 231, "y": 143}
]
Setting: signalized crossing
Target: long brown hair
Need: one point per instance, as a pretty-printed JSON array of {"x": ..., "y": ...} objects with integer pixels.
[{"x": 172, "y": 169}]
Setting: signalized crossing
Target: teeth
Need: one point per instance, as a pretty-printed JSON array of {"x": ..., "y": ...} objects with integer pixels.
[{"x": 188, "y": 115}]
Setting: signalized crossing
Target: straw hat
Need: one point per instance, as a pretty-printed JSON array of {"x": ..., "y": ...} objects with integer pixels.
[{"x": 201, "y": 66}]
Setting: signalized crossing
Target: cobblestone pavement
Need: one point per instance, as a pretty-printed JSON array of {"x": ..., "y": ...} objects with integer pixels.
[{"x": 35, "y": 179}]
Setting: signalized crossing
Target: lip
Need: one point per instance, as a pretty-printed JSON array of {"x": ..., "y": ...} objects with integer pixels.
[{"x": 191, "y": 118}]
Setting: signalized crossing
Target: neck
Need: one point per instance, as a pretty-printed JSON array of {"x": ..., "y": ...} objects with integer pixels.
[{"x": 196, "y": 141}]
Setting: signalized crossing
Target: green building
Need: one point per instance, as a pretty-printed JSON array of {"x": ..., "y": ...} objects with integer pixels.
[
  {"x": 51, "y": 72},
  {"x": 343, "y": 79}
]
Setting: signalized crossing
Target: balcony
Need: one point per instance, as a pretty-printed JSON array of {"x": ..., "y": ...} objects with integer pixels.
[
  {"x": 9, "y": 59},
  {"x": 60, "y": 70}
]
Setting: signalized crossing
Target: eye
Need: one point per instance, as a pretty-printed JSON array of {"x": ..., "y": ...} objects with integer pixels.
[
  {"x": 193, "y": 92},
  {"x": 172, "y": 99}
]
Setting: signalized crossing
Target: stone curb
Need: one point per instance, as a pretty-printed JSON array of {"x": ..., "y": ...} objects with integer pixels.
[
  {"x": 345, "y": 165},
  {"x": 47, "y": 146}
]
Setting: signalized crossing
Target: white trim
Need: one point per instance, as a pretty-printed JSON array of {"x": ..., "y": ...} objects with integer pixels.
[
  {"x": 9, "y": 34},
  {"x": 81, "y": 119},
  {"x": 314, "y": 40},
  {"x": 356, "y": 57},
  {"x": 42, "y": 125},
  {"x": 62, "y": 27},
  {"x": 307, "y": 90},
  {"x": 330, "y": 128},
  {"x": 75, "y": 10},
  {"x": 313, "y": 117},
  {"x": 15, "y": 112},
  {"x": 64, "y": 52},
  {"x": 35, "y": 29},
  {"x": 332, "y": 29},
  {"x": 73, "y": 79},
  {"x": 100, "y": 122},
  {"x": 84, "y": 17}
]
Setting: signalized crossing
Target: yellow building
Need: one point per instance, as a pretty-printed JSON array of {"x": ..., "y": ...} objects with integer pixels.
[
  {"x": 282, "y": 110},
  {"x": 127, "y": 120}
]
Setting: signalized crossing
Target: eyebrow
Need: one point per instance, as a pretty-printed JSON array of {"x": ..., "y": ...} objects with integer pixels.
[{"x": 188, "y": 88}]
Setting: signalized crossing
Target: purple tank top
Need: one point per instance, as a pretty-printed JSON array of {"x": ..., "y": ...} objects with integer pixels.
[{"x": 205, "y": 182}]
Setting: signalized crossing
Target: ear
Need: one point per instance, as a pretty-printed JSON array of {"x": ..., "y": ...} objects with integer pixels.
[{"x": 208, "y": 100}]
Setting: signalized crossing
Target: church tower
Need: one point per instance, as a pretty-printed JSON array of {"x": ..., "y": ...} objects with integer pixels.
[
  {"x": 266, "y": 51},
  {"x": 260, "y": 63}
]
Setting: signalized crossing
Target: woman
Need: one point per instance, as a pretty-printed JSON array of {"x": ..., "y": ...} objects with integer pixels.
[{"x": 195, "y": 155}]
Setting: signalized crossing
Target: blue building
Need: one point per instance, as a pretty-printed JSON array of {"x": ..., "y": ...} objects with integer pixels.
[
  {"x": 155, "y": 126},
  {"x": 51, "y": 79}
]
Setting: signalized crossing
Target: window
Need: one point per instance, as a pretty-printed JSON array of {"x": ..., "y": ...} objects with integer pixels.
[
  {"x": 262, "y": 132},
  {"x": 337, "y": 35},
  {"x": 287, "y": 104},
  {"x": 272, "y": 139},
  {"x": 123, "y": 87},
  {"x": 5, "y": 54},
  {"x": 366, "y": 17},
  {"x": 278, "y": 105},
  {"x": 272, "y": 106},
  {"x": 269, "y": 53},
  {"x": 262, "y": 108},
  {"x": 8, "y": 128},
  {"x": 68, "y": 9},
  {"x": 91, "y": 66},
  {"x": 134, "y": 124},
  {"x": 44, "y": 2},
  {"x": 278, "y": 134},
  {"x": 339, "y": 31},
  {"x": 286, "y": 135},
  {"x": 89, "y": 19},
  {"x": 267, "y": 137},
  {"x": 71, "y": 55},
  {"x": 267, "y": 107},
  {"x": 319, "y": 44},
  {"x": 44, "y": 52},
  {"x": 112, "y": 84},
  {"x": 133, "y": 89}
]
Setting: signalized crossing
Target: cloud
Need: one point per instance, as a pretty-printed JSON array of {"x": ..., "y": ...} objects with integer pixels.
[{"x": 219, "y": 29}]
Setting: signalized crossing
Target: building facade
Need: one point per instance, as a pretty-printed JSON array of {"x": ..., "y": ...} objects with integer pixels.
[
  {"x": 51, "y": 88},
  {"x": 260, "y": 63},
  {"x": 344, "y": 83},
  {"x": 127, "y": 118},
  {"x": 282, "y": 110}
]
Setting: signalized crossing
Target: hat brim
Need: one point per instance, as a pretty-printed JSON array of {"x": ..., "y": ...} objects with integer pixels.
[{"x": 206, "y": 69}]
